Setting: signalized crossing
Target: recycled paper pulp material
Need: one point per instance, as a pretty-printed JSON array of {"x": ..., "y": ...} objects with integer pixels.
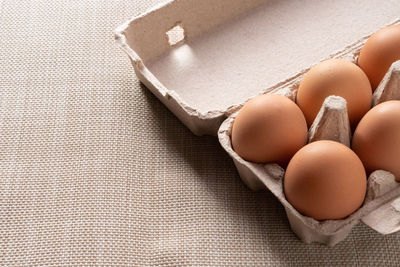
[{"x": 228, "y": 51}]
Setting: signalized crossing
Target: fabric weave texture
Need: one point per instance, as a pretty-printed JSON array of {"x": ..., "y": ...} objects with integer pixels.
[{"x": 94, "y": 170}]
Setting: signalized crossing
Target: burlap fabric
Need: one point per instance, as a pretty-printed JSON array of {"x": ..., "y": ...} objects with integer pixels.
[{"x": 96, "y": 171}]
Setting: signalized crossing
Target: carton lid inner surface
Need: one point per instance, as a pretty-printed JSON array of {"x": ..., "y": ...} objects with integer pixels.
[{"x": 238, "y": 59}]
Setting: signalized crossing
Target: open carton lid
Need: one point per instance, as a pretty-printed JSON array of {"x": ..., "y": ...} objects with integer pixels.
[
  {"x": 229, "y": 51},
  {"x": 205, "y": 58}
]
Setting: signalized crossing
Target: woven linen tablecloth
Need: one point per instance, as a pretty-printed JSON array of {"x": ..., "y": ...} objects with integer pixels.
[{"x": 94, "y": 170}]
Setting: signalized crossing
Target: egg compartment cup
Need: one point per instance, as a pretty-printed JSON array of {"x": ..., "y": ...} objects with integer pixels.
[{"x": 205, "y": 58}]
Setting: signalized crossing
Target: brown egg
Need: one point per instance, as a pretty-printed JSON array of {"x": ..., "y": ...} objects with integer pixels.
[
  {"x": 335, "y": 77},
  {"x": 325, "y": 180},
  {"x": 376, "y": 139},
  {"x": 379, "y": 52},
  {"x": 269, "y": 128}
]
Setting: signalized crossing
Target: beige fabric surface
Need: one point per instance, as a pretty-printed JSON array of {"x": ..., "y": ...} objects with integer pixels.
[{"x": 94, "y": 170}]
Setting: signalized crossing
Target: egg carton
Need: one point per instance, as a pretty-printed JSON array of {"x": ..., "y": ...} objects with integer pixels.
[
  {"x": 205, "y": 58},
  {"x": 381, "y": 208}
]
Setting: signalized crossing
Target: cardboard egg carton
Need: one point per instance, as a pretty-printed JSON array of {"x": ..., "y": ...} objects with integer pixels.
[{"x": 205, "y": 58}]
